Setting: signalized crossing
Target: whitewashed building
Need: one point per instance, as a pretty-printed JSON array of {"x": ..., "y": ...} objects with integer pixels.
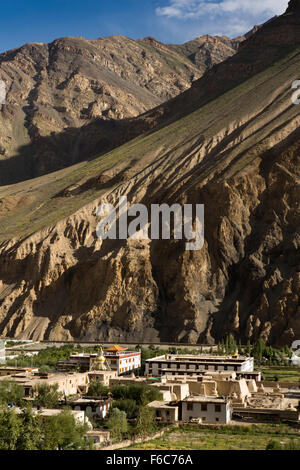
[
  {"x": 121, "y": 360},
  {"x": 2, "y": 351},
  {"x": 207, "y": 409},
  {"x": 189, "y": 364}
]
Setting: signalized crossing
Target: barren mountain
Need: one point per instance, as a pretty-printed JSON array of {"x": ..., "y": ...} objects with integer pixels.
[
  {"x": 207, "y": 51},
  {"x": 62, "y": 86},
  {"x": 230, "y": 142}
]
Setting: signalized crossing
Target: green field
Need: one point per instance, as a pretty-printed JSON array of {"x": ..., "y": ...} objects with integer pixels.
[
  {"x": 252, "y": 437},
  {"x": 283, "y": 374}
]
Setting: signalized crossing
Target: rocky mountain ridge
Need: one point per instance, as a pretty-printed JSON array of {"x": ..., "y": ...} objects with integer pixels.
[{"x": 57, "y": 88}]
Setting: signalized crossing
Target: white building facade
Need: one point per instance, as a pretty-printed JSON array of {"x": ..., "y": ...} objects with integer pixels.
[
  {"x": 2, "y": 351},
  {"x": 124, "y": 362},
  {"x": 173, "y": 364},
  {"x": 207, "y": 409}
]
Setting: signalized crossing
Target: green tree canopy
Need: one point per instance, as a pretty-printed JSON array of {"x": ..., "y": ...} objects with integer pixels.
[
  {"x": 141, "y": 394},
  {"x": 145, "y": 423},
  {"x": 97, "y": 389},
  {"x": 63, "y": 432},
  {"x": 31, "y": 431},
  {"x": 129, "y": 406},
  {"x": 117, "y": 423},
  {"x": 47, "y": 396},
  {"x": 10, "y": 429},
  {"x": 11, "y": 393}
]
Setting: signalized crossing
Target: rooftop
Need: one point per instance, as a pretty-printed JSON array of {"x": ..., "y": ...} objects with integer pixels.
[
  {"x": 205, "y": 399},
  {"x": 116, "y": 348},
  {"x": 86, "y": 400},
  {"x": 49, "y": 412},
  {"x": 202, "y": 357},
  {"x": 160, "y": 404}
]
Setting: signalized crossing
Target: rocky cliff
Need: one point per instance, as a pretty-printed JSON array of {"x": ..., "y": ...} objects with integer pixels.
[
  {"x": 58, "y": 88},
  {"x": 233, "y": 145}
]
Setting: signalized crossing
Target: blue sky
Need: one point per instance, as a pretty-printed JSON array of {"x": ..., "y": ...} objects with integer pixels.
[{"x": 170, "y": 21}]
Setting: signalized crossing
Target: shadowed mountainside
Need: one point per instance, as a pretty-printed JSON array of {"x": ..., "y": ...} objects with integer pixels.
[{"x": 58, "y": 88}]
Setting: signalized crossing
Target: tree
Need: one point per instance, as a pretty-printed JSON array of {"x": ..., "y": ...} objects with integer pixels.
[
  {"x": 31, "y": 431},
  {"x": 19, "y": 431},
  {"x": 141, "y": 394},
  {"x": 129, "y": 406},
  {"x": 11, "y": 393},
  {"x": 117, "y": 423},
  {"x": 10, "y": 429},
  {"x": 145, "y": 423},
  {"x": 97, "y": 389},
  {"x": 230, "y": 344},
  {"x": 63, "y": 432},
  {"x": 259, "y": 349},
  {"x": 30, "y": 437},
  {"x": 47, "y": 396}
]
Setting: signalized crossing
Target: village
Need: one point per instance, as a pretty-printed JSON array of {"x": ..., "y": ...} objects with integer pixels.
[{"x": 200, "y": 389}]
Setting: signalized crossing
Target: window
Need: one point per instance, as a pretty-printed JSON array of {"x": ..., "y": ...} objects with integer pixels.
[
  {"x": 204, "y": 407},
  {"x": 190, "y": 406},
  {"x": 217, "y": 408},
  {"x": 217, "y": 419}
]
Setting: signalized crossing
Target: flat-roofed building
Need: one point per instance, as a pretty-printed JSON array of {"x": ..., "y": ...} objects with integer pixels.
[
  {"x": 121, "y": 360},
  {"x": 103, "y": 376},
  {"x": 98, "y": 437},
  {"x": 266, "y": 414},
  {"x": 10, "y": 370},
  {"x": 93, "y": 407},
  {"x": 77, "y": 361},
  {"x": 68, "y": 383},
  {"x": 116, "y": 358},
  {"x": 253, "y": 375},
  {"x": 2, "y": 351},
  {"x": 207, "y": 409},
  {"x": 164, "y": 412},
  {"x": 175, "y": 364}
]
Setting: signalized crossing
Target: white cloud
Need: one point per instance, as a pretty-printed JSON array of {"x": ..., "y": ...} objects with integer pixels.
[
  {"x": 193, "y": 9},
  {"x": 226, "y": 17}
]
